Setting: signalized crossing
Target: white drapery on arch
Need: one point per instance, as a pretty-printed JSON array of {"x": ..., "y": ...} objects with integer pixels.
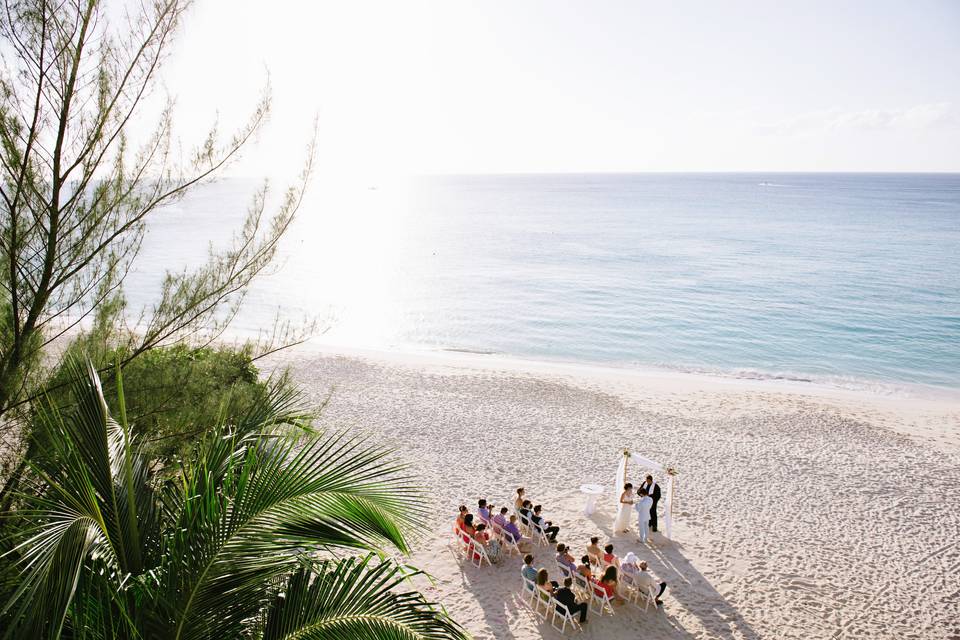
[{"x": 656, "y": 467}]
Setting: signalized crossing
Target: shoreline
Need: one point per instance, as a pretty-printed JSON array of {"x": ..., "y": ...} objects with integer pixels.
[
  {"x": 934, "y": 416},
  {"x": 793, "y": 382}
]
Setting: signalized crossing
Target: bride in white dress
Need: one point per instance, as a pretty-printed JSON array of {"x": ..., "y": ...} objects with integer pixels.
[{"x": 622, "y": 523}]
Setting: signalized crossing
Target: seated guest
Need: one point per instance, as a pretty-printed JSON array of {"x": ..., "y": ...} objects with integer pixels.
[
  {"x": 565, "y": 596},
  {"x": 584, "y": 568},
  {"x": 628, "y": 565},
  {"x": 564, "y": 558},
  {"x": 492, "y": 547},
  {"x": 483, "y": 510},
  {"x": 501, "y": 518},
  {"x": 608, "y": 582},
  {"x": 525, "y": 510},
  {"x": 546, "y": 526},
  {"x": 513, "y": 531},
  {"x": 645, "y": 580},
  {"x": 594, "y": 551},
  {"x": 544, "y": 581},
  {"x": 629, "y": 569},
  {"x": 518, "y": 503},
  {"x": 467, "y": 525},
  {"x": 526, "y": 513},
  {"x": 463, "y": 512},
  {"x": 527, "y": 570},
  {"x": 608, "y": 557}
]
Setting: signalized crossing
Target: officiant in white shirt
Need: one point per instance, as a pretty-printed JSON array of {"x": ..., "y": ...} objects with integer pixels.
[
  {"x": 643, "y": 506},
  {"x": 653, "y": 490}
]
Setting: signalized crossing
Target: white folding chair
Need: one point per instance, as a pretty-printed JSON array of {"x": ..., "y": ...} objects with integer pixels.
[
  {"x": 582, "y": 584},
  {"x": 463, "y": 539},
  {"x": 631, "y": 591},
  {"x": 628, "y": 584},
  {"x": 543, "y": 600},
  {"x": 478, "y": 555},
  {"x": 538, "y": 534},
  {"x": 648, "y": 595},
  {"x": 560, "y": 611},
  {"x": 564, "y": 570},
  {"x": 506, "y": 540},
  {"x": 526, "y": 527},
  {"x": 528, "y": 592},
  {"x": 600, "y": 601}
]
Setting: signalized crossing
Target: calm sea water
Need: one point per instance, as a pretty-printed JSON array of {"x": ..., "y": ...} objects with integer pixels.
[{"x": 850, "y": 279}]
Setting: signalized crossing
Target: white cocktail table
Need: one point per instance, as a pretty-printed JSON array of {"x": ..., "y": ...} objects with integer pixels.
[{"x": 592, "y": 491}]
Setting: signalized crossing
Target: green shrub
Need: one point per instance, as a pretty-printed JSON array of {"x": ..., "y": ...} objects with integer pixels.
[{"x": 176, "y": 393}]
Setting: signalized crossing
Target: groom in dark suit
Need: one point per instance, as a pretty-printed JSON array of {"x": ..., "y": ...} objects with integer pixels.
[{"x": 653, "y": 490}]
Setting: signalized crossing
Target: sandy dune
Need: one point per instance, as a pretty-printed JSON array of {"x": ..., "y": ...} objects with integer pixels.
[{"x": 801, "y": 512}]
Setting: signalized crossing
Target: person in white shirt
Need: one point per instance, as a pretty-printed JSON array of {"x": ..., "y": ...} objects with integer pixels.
[
  {"x": 643, "y": 507},
  {"x": 653, "y": 490},
  {"x": 645, "y": 580}
]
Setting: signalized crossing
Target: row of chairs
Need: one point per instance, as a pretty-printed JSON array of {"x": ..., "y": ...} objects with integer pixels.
[
  {"x": 477, "y": 553},
  {"x": 531, "y": 529},
  {"x": 599, "y": 601},
  {"x": 473, "y": 550},
  {"x": 545, "y": 606},
  {"x": 629, "y": 590}
]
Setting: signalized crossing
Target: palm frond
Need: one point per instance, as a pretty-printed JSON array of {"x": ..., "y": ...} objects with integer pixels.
[
  {"x": 52, "y": 562},
  {"x": 285, "y": 496},
  {"x": 83, "y": 508},
  {"x": 354, "y": 598}
]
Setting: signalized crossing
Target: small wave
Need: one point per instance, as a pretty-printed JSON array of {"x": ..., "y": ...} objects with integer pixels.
[
  {"x": 763, "y": 375},
  {"x": 848, "y": 383},
  {"x": 743, "y": 374},
  {"x": 466, "y": 350}
]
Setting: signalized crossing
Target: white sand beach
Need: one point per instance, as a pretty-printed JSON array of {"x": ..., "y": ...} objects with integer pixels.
[{"x": 801, "y": 512}]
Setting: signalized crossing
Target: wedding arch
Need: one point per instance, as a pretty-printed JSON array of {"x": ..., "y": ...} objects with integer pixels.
[{"x": 656, "y": 467}]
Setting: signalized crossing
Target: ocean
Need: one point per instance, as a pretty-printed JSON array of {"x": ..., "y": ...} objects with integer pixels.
[{"x": 842, "y": 279}]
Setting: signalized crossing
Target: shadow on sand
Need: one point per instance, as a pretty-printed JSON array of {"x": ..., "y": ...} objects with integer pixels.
[
  {"x": 497, "y": 591},
  {"x": 692, "y": 591},
  {"x": 604, "y": 522}
]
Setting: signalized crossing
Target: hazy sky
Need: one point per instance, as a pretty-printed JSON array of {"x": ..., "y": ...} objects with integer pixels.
[{"x": 515, "y": 86}]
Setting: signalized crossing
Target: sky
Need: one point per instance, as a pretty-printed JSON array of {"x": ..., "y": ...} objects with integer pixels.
[{"x": 400, "y": 88}]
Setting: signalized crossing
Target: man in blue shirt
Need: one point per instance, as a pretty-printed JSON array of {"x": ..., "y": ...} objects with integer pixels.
[{"x": 527, "y": 570}]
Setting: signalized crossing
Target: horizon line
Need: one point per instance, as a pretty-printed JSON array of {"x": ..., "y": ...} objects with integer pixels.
[
  {"x": 629, "y": 172},
  {"x": 672, "y": 172}
]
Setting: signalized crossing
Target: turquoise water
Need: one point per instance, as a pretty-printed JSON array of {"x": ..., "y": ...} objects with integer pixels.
[{"x": 851, "y": 279}]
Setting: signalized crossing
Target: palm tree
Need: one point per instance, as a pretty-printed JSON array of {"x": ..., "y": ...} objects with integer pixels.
[{"x": 246, "y": 540}]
